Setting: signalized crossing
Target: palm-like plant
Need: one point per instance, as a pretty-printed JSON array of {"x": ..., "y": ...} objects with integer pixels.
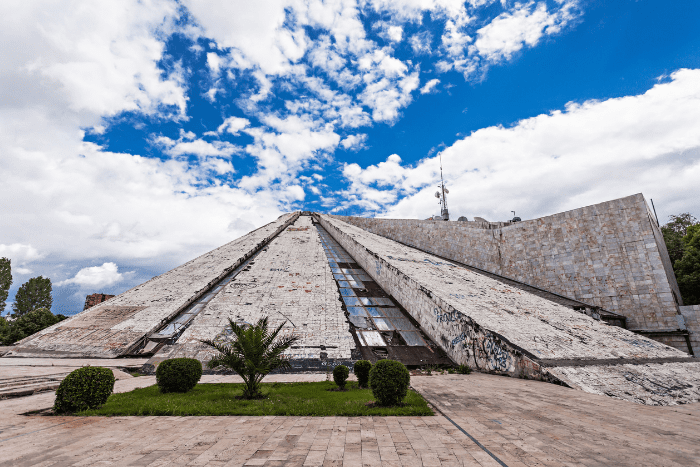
[{"x": 253, "y": 353}]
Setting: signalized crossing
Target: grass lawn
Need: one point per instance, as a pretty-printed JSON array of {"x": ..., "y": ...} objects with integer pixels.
[{"x": 309, "y": 399}]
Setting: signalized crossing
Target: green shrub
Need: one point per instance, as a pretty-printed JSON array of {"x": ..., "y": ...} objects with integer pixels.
[
  {"x": 340, "y": 375},
  {"x": 389, "y": 380},
  {"x": 464, "y": 369},
  {"x": 178, "y": 374},
  {"x": 83, "y": 389},
  {"x": 362, "y": 369}
]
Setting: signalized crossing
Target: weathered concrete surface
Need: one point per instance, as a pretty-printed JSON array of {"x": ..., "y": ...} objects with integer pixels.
[
  {"x": 290, "y": 281},
  {"x": 609, "y": 255},
  {"x": 25, "y": 376},
  {"x": 114, "y": 327},
  {"x": 483, "y": 322},
  {"x": 691, "y": 317}
]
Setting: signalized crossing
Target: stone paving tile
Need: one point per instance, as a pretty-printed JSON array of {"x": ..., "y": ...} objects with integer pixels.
[{"x": 523, "y": 423}]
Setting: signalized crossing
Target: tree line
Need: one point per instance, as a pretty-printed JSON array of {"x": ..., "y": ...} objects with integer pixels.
[
  {"x": 31, "y": 310},
  {"x": 682, "y": 238}
]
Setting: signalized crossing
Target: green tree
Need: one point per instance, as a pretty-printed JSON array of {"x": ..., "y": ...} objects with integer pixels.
[
  {"x": 27, "y": 324},
  {"x": 33, "y": 294},
  {"x": 687, "y": 268},
  {"x": 253, "y": 353},
  {"x": 5, "y": 280},
  {"x": 674, "y": 231}
]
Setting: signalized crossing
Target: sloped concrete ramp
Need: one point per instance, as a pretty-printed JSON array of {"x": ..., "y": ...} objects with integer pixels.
[
  {"x": 119, "y": 325},
  {"x": 493, "y": 327}
]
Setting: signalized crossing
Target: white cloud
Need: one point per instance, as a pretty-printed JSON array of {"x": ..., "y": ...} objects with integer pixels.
[
  {"x": 524, "y": 25},
  {"x": 98, "y": 58},
  {"x": 20, "y": 253},
  {"x": 95, "y": 276},
  {"x": 429, "y": 86},
  {"x": 420, "y": 43},
  {"x": 588, "y": 153},
  {"x": 354, "y": 142}
]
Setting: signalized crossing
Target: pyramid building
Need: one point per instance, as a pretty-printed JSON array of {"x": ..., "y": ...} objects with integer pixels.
[{"x": 585, "y": 298}]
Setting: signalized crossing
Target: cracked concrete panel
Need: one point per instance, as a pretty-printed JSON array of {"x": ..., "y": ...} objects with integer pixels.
[
  {"x": 113, "y": 327},
  {"x": 486, "y": 323},
  {"x": 289, "y": 281},
  {"x": 649, "y": 384}
]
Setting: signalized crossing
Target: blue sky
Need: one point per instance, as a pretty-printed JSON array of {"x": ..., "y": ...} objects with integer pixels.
[{"x": 137, "y": 135}]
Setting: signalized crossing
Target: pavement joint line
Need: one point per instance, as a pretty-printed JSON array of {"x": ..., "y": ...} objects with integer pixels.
[{"x": 484, "y": 448}]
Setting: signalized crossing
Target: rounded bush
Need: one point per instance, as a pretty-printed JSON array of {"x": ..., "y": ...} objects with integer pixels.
[
  {"x": 178, "y": 374},
  {"x": 362, "y": 369},
  {"x": 340, "y": 375},
  {"x": 83, "y": 389},
  {"x": 389, "y": 380}
]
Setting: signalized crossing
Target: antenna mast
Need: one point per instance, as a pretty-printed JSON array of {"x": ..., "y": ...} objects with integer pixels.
[{"x": 443, "y": 199}]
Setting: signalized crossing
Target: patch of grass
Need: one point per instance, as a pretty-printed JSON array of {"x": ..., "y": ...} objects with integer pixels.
[{"x": 301, "y": 399}]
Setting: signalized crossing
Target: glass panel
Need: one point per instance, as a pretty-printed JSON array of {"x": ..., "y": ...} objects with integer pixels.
[
  {"x": 357, "y": 285},
  {"x": 356, "y": 311},
  {"x": 347, "y": 292},
  {"x": 344, "y": 284},
  {"x": 351, "y": 301},
  {"x": 403, "y": 323},
  {"x": 383, "y": 324},
  {"x": 412, "y": 338},
  {"x": 360, "y": 322},
  {"x": 346, "y": 271},
  {"x": 374, "y": 312},
  {"x": 382, "y": 301},
  {"x": 206, "y": 298},
  {"x": 335, "y": 270},
  {"x": 168, "y": 331},
  {"x": 366, "y": 301},
  {"x": 372, "y": 338},
  {"x": 182, "y": 318},
  {"x": 392, "y": 312},
  {"x": 339, "y": 277}
]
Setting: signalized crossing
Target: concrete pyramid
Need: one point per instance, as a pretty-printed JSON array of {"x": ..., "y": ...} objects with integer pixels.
[{"x": 352, "y": 294}]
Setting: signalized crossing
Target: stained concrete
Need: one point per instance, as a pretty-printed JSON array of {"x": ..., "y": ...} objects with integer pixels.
[
  {"x": 610, "y": 255},
  {"x": 119, "y": 325},
  {"x": 487, "y": 324},
  {"x": 291, "y": 282}
]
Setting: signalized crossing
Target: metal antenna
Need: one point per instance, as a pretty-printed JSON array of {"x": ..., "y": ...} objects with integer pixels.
[{"x": 443, "y": 199}]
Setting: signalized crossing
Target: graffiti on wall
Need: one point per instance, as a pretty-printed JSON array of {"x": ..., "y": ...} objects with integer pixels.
[
  {"x": 478, "y": 348},
  {"x": 447, "y": 317}
]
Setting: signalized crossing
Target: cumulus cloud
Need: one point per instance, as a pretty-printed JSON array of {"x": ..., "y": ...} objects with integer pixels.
[
  {"x": 19, "y": 253},
  {"x": 587, "y": 153},
  {"x": 95, "y": 276},
  {"x": 429, "y": 86},
  {"x": 354, "y": 142},
  {"x": 524, "y": 26}
]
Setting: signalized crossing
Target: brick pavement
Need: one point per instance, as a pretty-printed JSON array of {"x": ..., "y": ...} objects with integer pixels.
[{"x": 522, "y": 423}]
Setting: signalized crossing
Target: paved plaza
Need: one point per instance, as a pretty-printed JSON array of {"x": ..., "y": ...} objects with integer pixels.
[{"x": 483, "y": 420}]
